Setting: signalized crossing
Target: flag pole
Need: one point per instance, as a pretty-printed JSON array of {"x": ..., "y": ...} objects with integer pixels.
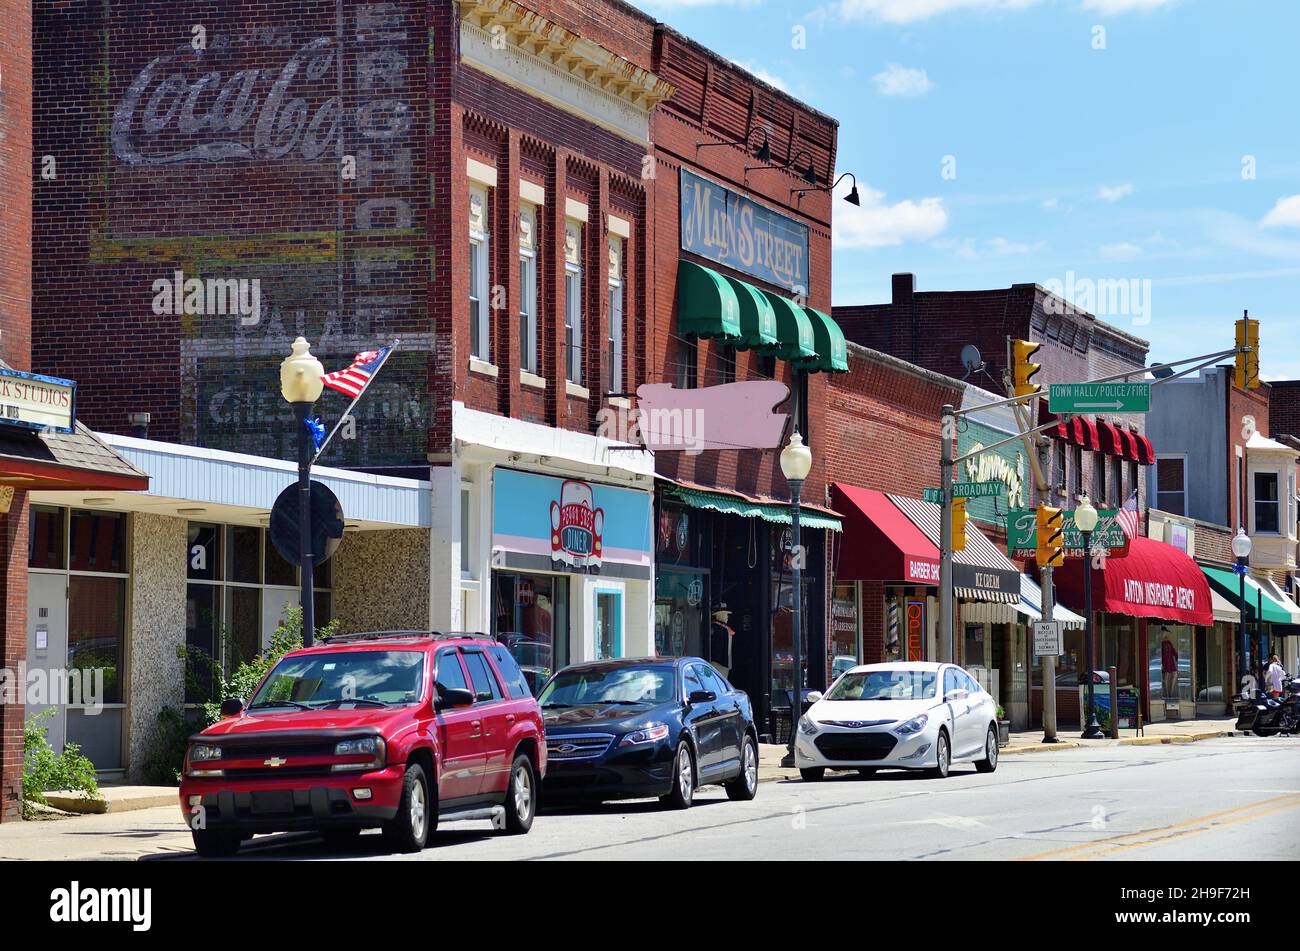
[{"x": 348, "y": 412}]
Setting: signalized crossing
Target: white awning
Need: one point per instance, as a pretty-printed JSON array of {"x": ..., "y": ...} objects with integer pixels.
[
  {"x": 1031, "y": 606},
  {"x": 1224, "y": 610},
  {"x": 210, "y": 485}
]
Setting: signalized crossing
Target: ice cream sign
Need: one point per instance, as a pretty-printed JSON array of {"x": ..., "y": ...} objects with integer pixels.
[{"x": 576, "y": 527}]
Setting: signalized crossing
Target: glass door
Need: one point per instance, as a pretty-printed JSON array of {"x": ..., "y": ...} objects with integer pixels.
[{"x": 609, "y": 624}]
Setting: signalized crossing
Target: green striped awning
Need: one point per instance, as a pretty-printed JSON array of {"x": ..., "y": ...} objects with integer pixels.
[
  {"x": 832, "y": 350},
  {"x": 1258, "y": 600},
  {"x": 757, "y": 318},
  {"x": 734, "y": 505},
  {"x": 706, "y": 303},
  {"x": 794, "y": 329}
]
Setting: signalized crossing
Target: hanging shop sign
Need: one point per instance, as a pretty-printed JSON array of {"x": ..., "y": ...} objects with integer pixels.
[
  {"x": 1022, "y": 534},
  {"x": 31, "y": 401},
  {"x": 915, "y": 629},
  {"x": 730, "y": 416},
  {"x": 730, "y": 229},
  {"x": 542, "y": 523}
]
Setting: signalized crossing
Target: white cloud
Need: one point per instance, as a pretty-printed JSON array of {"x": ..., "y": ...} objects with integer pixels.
[
  {"x": 759, "y": 72},
  {"x": 1051, "y": 204},
  {"x": 1285, "y": 214},
  {"x": 970, "y": 249},
  {"x": 910, "y": 11},
  {"x": 878, "y": 224},
  {"x": 1113, "y": 7},
  {"x": 1113, "y": 193},
  {"x": 1120, "y": 251},
  {"x": 896, "y": 80}
]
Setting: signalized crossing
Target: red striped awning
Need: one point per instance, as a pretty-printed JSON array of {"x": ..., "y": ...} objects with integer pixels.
[
  {"x": 1131, "y": 451},
  {"x": 1112, "y": 440},
  {"x": 1086, "y": 435},
  {"x": 1063, "y": 430}
]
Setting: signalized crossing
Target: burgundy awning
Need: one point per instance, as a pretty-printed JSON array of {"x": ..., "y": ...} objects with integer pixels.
[
  {"x": 880, "y": 543},
  {"x": 1146, "y": 451},
  {"x": 1085, "y": 434},
  {"x": 1064, "y": 429},
  {"x": 1153, "y": 580},
  {"x": 1131, "y": 451},
  {"x": 1112, "y": 440}
]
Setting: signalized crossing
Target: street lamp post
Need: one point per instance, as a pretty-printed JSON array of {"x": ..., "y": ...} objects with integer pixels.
[
  {"x": 796, "y": 463},
  {"x": 301, "y": 386},
  {"x": 1241, "y": 548},
  {"x": 1085, "y": 520}
]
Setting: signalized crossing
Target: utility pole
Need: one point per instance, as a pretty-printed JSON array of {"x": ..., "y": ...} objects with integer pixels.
[{"x": 948, "y": 433}]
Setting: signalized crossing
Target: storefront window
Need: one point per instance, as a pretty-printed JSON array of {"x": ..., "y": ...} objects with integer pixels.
[
  {"x": 845, "y": 651},
  {"x": 1211, "y": 665},
  {"x": 97, "y": 542},
  {"x": 97, "y": 629},
  {"x": 1170, "y": 664},
  {"x": 45, "y": 538},
  {"x": 530, "y": 617},
  {"x": 681, "y": 615}
]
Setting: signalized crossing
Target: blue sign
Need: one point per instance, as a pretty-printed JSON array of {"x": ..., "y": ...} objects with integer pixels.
[
  {"x": 730, "y": 229},
  {"x": 540, "y": 523}
]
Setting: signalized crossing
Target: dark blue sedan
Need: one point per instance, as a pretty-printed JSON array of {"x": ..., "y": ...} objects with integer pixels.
[{"x": 637, "y": 729}]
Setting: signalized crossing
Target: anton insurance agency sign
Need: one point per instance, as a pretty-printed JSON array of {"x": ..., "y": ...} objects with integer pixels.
[
  {"x": 31, "y": 401},
  {"x": 730, "y": 229},
  {"x": 543, "y": 523}
]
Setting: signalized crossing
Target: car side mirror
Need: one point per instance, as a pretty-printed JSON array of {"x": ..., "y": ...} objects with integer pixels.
[
  {"x": 813, "y": 697},
  {"x": 454, "y": 698},
  {"x": 957, "y": 694},
  {"x": 701, "y": 696},
  {"x": 232, "y": 707}
]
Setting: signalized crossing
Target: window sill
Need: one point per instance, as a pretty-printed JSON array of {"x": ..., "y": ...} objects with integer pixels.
[
  {"x": 576, "y": 391},
  {"x": 482, "y": 368},
  {"x": 619, "y": 402},
  {"x": 532, "y": 380}
]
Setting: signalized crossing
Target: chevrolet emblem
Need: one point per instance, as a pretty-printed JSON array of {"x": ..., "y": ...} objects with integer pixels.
[{"x": 274, "y": 762}]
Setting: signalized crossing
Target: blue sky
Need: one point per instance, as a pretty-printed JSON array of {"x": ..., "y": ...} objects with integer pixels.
[{"x": 1068, "y": 142}]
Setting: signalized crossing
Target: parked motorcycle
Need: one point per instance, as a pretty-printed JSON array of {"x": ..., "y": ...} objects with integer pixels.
[{"x": 1268, "y": 716}]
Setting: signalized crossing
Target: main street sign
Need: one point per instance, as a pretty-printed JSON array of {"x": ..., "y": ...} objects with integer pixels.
[
  {"x": 1074, "y": 399},
  {"x": 1022, "y": 534},
  {"x": 967, "y": 490}
]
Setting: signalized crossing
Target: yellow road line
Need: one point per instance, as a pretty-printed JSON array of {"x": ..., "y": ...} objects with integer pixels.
[
  {"x": 1201, "y": 820},
  {"x": 1187, "y": 832}
]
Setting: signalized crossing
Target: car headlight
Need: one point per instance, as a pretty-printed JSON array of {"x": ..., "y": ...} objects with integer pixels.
[
  {"x": 203, "y": 753},
  {"x": 372, "y": 747},
  {"x": 808, "y": 726},
  {"x": 914, "y": 725},
  {"x": 650, "y": 733}
]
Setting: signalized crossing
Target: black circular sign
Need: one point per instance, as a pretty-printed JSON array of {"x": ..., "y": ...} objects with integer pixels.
[{"x": 326, "y": 524}]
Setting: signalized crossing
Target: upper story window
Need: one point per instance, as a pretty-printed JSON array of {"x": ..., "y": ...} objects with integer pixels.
[
  {"x": 573, "y": 301},
  {"x": 1171, "y": 484},
  {"x": 616, "y": 329},
  {"x": 1268, "y": 503},
  {"x": 528, "y": 250},
  {"x": 1117, "y": 481},
  {"x": 1099, "y": 478},
  {"x": 1077, "y": 464},
  {"x": 688, "y": 363},
  {"x": 1058, "y": 462},
  {"x": 480, "y": 336}
]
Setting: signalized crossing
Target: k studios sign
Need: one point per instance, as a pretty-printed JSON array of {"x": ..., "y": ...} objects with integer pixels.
[{"x": 31, "y": 401}]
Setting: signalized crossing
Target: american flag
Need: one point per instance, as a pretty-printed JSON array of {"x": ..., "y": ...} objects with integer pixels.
[
  {"x": 1128, "y": 516},
  {"x": 354, "y": 380}
]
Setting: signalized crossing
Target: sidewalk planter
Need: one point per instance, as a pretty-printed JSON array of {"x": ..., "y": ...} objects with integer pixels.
[{"x": 1004, "y": 733}]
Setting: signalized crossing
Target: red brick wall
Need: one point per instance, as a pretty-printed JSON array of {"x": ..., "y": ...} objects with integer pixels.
[
  {"x": 1242, "y": 404},
  {"x": 16, "y": 182},
  {"x": 13, "y": 650},
  {"x": 1284, "y": 408}
]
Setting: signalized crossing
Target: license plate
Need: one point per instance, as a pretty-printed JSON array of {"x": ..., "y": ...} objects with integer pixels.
[{"x": 272, "y": 802}]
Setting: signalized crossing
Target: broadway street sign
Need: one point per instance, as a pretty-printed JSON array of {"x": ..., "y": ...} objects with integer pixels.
[
  {"x": 967, "y": 490},
  {"x": 1074, "y": 399},
  {"x": 1022, "y": 534}
]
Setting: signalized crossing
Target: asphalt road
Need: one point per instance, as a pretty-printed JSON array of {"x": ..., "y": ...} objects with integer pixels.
[{"x": 1218, "y": 799}]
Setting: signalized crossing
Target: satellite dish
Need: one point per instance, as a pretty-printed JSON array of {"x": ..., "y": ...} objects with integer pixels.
[{"x": 971, "y": 359}]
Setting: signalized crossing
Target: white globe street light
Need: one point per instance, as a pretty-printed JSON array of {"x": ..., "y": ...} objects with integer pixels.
[{"x": 796, "y": 463}]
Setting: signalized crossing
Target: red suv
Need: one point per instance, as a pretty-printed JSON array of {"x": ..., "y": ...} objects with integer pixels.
[{"x": 390, "y": 730}]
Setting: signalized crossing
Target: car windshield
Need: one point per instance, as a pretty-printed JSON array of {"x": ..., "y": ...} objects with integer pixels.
[
  {"x": 628, "y": 685},
  {"x": 367, "y": 678},
  {"x": 885, "y": 685}
]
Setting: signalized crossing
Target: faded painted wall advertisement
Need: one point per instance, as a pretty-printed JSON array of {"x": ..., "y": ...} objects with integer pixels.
[{"x": 265, "y": 181}]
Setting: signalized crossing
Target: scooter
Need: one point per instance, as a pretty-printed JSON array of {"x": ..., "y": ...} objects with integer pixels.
[{"x": 1263, "y": 715}]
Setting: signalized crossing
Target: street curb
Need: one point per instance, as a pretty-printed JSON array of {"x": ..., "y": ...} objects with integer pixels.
[
  {"x": 1165, "y": 740},
  {"x": 1039, "y": 748}
]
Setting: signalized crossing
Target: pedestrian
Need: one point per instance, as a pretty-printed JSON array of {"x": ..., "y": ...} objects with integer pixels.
[
  {"x": 1275, "y": 676},
  {"x": 721, "y": 635}
]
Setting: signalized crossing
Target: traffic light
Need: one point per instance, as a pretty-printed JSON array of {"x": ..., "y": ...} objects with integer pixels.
[
  {"x": 1051, "y": 537},
  {"x": 1248, "y": 363},
  {"x": 958, "y": 524},
  {"x": 1023, "y": 371}
]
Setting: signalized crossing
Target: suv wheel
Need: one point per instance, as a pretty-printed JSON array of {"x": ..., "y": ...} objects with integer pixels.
[
  {"x": 216, "y": 845},
  {"x": 521, "y": 796},
  {"x": 408, "y": 831},
  {"x": 683, "y": 792},
  {"x": 745, "y": 786}
]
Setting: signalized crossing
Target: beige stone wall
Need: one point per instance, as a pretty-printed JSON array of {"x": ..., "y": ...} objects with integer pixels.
[
  {"x": 381, "y": 581},
  {"x": 158, "y": 557}
]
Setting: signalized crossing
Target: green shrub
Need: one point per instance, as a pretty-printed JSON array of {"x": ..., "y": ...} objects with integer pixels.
[
  {"x": 46, "y": 771},
  {"x": 177, "y": 726}
]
